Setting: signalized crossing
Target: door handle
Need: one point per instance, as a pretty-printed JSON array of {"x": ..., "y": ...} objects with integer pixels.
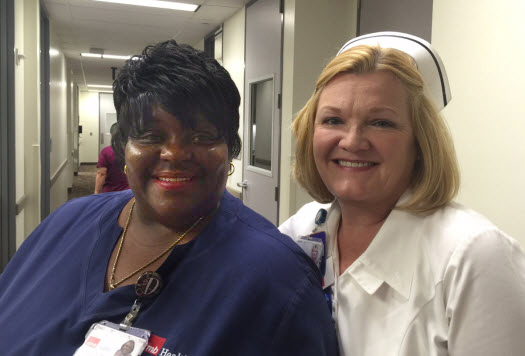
[{"x": 243, "y": 184}]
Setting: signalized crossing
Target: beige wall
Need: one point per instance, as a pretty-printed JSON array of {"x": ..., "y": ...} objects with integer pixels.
[
  {"x": 74, "y": 124},
  {"x": 88, "y": 118},
  {"x": 409, "y": 16},
  {"x": 233, "y": 61},
  {"x": 58, "y": 108},
  {"x": 19, "y": 124},
  {"x": 482, "y": 45},
  {"x": 70, "y": 125},
  {"x": 27, "y": 118}
]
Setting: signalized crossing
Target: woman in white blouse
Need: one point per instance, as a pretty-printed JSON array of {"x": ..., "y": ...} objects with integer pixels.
[{"x": 409, "y": 271}]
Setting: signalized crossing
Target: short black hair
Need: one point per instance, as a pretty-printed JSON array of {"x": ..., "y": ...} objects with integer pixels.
[{"x": 186, "y": 82}]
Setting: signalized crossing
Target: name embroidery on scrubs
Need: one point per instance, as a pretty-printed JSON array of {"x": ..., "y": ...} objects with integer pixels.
[{"x": 155, "y": 347}]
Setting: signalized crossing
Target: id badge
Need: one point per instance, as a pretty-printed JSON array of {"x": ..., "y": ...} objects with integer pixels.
[
  {"x": 108, "y": 339},
  {"x": 313, "y": 246}
]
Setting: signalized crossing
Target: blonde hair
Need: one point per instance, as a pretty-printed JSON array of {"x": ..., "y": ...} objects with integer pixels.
[{"x": 435, "y": 180}]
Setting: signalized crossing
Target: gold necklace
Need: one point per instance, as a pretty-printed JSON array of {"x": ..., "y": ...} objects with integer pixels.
[{"x": 112, "y": 283}]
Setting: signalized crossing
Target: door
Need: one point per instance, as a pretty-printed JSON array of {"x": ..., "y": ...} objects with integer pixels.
[
  {"x": 107, "y": 115},
  {"x": 262, "y": 108}
]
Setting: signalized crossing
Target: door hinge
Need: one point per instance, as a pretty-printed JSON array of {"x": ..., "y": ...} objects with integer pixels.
[
  {"x": 279, "y": 101},
  {"x": 281, "y": 7},
  {"x": 277, "y": 194}
]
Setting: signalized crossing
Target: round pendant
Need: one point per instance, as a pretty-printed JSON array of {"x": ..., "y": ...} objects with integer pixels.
[{"x": 148, "y": 284}]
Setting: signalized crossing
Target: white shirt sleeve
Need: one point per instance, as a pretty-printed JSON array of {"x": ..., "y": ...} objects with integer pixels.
[
  {"x": 302, "y": 223},
  {"x": 484, "y": 295}
]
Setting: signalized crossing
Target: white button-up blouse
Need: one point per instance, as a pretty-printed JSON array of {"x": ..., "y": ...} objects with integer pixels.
[{"x": 449, "y": 283}]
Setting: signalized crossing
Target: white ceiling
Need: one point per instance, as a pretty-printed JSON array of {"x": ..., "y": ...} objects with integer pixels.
[{"x": 125, "y": 30}]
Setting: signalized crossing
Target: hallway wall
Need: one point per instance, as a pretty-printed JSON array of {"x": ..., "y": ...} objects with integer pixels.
[
  {"x": 27, "y": 118},
  {"x": 58, "y": 107},
  {"x": 233, "y": 61},
  {"x": 19, "y": 124},
  {"x": 410, "y": 16},
  {"x": 481, "y": 44}
]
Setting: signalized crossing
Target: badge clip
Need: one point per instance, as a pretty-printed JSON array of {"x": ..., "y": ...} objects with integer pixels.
[
  {"x": 132, "y": 315},
  {"x": 148, "y": 285}
]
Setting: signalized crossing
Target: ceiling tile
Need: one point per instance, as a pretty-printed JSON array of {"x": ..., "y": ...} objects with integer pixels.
[
  {"x": 215, "y": 14},
  {"x": 123, "y": 29}
]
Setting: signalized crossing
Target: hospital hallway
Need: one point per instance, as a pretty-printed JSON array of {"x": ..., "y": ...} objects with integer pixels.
[{"x": 59, "y": 58}]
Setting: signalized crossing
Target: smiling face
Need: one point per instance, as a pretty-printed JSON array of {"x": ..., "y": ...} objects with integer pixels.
[
  {"x": 363, "y": 143},
  {"x": 177, "y": 173}
]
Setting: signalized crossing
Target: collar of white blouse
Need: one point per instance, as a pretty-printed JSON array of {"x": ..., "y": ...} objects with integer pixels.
[{"x": 390, "y": 258}]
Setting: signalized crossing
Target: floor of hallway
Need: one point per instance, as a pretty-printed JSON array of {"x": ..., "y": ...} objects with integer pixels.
[{"x": 84, "y": 182}]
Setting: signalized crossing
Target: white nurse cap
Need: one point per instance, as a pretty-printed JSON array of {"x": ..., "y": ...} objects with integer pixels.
[{"x": 427, "y": 60}]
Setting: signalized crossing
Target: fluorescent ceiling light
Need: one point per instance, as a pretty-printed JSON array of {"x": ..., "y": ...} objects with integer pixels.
[
  {"x": 99, "y": 86},
  {"x": 100, "y": 91},
  {"x": 105, "y": 56},
  {"x": 95, "y": 55},
  {"x": 113, "y": 56},
  {"x": 157, "y": 3}
]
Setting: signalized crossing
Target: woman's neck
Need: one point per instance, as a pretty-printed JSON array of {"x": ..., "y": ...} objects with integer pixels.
[
  {"x": 147, "y": 241},
  {"x": 151, "y": 232},
  {"x": 358, "y": 226}
]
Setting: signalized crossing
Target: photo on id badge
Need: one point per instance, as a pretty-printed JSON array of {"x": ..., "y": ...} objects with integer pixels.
[
  {"x": 103, "y": 339},
  {"x": 313, "y": 247}
]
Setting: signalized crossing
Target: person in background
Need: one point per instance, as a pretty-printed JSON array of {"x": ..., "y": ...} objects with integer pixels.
[
  {"x": 110, "y": 177},
  {"x": 409, "y": 271},
  {"x": 176, "y": 254}
]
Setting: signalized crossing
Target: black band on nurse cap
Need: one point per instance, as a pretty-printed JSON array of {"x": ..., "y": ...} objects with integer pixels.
[{"x": 427, "y": 60}]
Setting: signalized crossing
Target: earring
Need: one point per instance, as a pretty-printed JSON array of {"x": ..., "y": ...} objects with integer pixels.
[
  {"x": 232, "y": 169},
  {"x": 125, "y": 169}
]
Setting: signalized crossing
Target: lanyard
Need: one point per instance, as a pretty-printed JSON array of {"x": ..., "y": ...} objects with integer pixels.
[
  {"x": 148, "y": 285},
  {"x": 327, "y": 269}
]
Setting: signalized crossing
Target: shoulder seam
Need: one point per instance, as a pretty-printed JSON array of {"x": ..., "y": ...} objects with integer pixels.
[{"x": 272, "y": 236}]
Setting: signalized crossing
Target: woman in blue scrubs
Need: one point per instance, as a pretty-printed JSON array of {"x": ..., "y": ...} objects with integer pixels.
[{"x": 176, "y": 257}]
